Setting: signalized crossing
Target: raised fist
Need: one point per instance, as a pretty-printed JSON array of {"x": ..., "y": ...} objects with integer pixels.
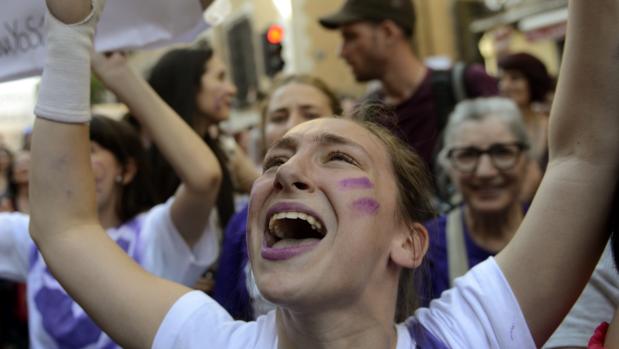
[{"x": 70, "y": 11}]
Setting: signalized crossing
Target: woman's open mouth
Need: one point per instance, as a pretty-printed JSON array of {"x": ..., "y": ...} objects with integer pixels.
[{"x": 290, "y": 233}]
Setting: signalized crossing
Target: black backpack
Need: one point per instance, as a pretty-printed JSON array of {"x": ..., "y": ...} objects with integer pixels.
[{"x": 448, "y": 89}]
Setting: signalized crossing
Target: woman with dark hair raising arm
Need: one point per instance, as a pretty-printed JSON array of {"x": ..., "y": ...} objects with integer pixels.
[
  {"x": 171, "y": 240},
  {"x": 327, "y": 239}
]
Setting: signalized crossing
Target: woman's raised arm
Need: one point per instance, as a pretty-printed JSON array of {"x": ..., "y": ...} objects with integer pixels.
[
  {"x": 192, "y": 160},
  {"x": 558, "y": 244},
  {"x": 64, "y": 223}
]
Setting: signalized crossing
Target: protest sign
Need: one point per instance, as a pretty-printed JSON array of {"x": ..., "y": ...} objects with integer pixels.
[{"x": 125, "y": 24}]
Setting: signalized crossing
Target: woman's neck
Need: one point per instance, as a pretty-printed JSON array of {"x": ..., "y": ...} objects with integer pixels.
[
  {"x": 330, "y": 330},
  {"x": 4, "y": 184},
  {"x": 537, "y": 128},
  {"x": 493, "y": 230},
  {"x": 108, "y": 217},
  {"x": 528, "y": 113},
  {"x": 201, "y": 125},
  {"x": 21, "y": 199},
  {"x": 364, "y": 320}
]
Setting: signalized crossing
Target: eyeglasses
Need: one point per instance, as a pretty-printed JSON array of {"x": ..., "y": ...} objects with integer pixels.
[{"x": 504, "y": 156}]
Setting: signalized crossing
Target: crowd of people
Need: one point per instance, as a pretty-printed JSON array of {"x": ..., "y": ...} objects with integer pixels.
[{"x": 421, "y": 218}]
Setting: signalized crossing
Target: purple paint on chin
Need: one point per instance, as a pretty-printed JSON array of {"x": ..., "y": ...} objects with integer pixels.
[
  {"x": 356, "y": 183},
  {"x": 367, "y": 206}
]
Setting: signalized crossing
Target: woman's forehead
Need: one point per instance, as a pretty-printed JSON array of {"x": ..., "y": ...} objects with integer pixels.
[
  {"x": 332, "y": 124},
  {"x": 311, "y": 130},
  {"x": 491, "y": 128},
  {"x": 300, "y": 93}
]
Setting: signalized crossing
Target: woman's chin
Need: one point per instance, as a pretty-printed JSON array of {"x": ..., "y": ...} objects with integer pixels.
[
  {"x": 282, "y": 292},
  {"x": 222, "y": 115},
  {"x": 488, "y": 206}
]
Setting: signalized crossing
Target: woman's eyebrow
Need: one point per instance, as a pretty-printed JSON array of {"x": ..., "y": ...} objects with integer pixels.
[
  {"x": 333, "y": 139},
  {"x": 277, "y": 110},
  {"x": 305, "y": 107},
  {"x": 286, "y": 143},
  {"x": 323, "y": 139}
]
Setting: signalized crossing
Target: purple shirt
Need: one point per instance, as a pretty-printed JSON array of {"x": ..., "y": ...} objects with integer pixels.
[
  {"x": 230, "y": 289},
  {"x": 417, "y": 117},
  {"x": 437, "y": 259}
]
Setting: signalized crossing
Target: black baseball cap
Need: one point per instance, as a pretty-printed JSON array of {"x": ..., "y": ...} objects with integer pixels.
[{"x": 401, "y": 12}]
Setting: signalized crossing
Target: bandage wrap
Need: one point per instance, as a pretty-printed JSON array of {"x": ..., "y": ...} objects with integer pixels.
[{"x": 64, "y": 93}]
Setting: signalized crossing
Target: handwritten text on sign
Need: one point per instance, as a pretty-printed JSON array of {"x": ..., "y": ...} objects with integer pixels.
[{"x": 125, "y": 24}]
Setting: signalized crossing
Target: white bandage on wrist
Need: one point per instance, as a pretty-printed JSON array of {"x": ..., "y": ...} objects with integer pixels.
[{"x": 64, "y": 92}]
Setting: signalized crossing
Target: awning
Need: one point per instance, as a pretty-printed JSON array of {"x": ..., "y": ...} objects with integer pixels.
[{"x": 528, "y": 16}]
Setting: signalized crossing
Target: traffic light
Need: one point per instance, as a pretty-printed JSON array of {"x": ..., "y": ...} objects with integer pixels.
[{"x": 272, "y": 40}]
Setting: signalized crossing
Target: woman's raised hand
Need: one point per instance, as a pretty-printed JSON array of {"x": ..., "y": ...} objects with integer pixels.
[
  {"x": 112, "y": 69},
  {"x": 71, "y": 11}
]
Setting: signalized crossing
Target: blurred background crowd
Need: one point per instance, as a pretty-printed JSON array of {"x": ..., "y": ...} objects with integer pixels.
[{"x": 272, "y": 64}]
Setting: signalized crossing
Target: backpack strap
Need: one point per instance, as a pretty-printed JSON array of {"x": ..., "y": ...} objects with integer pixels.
[
  {"x": 458, "y": 83},
  {"x": 448, "y": 88},
  {"x": 444, "y": 99},
  {"x": 457, "y": 259}
]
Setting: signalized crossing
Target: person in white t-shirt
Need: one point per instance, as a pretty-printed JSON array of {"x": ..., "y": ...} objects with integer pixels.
[
  {"x": 335, "y": 220},
  {"x": 596, "y": 304},
  {"x": 170, "y": 240}
]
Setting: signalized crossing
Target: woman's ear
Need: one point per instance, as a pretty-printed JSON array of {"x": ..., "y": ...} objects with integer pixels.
[
  {"x": 129, "y": 171},
  {"x": 410, "y": 246}
]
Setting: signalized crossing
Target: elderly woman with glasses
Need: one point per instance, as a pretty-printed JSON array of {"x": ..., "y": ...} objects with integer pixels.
[{"x": 486, "y": 157}]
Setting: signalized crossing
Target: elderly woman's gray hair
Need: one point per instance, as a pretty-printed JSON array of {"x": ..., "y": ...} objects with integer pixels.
[{"x": 478, "y": 110}]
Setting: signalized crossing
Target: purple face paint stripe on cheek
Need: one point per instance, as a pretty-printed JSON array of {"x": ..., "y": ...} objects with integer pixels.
[
  {"x": 366, "y": 206},
  {"x": 356, "y": 183}
]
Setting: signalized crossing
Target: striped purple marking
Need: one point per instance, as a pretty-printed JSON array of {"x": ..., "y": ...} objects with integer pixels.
[
  {"x": 367, "y": 206},
  {"x": 356, "y": 183}
]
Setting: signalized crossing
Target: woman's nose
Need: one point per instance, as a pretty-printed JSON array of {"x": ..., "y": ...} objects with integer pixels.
[
  {"x": 293, "y": 176},
  {"x": 485, "y": 167},
  {"x": 232, "y": 90}
]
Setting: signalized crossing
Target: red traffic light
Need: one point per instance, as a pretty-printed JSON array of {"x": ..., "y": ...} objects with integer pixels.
[{"x": 275, "y": 34}]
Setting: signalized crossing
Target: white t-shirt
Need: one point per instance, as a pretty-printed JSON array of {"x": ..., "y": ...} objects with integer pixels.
[
  {"x": 596, "y": 304},
  {"x": 479, "y": 312},
  {"x": 54, "y": 319}
]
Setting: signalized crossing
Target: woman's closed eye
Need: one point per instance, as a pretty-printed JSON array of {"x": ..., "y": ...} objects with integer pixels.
[
  {"x": 221, "y": 76},
  {"x": 278, "y": 118},
  {"x": 273, "y": 162},
  {"x": 311, "y": 115},
  {"x": 341, "y": 156}
]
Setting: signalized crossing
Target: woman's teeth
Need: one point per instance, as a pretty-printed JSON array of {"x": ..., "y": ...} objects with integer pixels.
[{"x": 275, "y": 228}]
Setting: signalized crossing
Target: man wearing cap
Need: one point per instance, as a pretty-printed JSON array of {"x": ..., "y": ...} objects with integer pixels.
[{"x": 377, "y": 36}]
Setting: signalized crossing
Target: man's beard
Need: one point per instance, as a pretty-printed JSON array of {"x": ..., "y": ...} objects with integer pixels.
[
  {"x": 367, "y": 74},
  {"x": 371, "y": 69}
]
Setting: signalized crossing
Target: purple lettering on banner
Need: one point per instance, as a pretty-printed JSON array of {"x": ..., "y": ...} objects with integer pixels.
[
  {"x": 366, "y": 205},
  {"x": 70, "y": 329},
  {"x": 34, "y": 256},
  {"x": 424, "y": 338},
  {"x": 110, "y": 345},
  {"x": 63, "y": 325},
  {"x": 356, "y": 183},
  {"x": 124, "y": 244}
]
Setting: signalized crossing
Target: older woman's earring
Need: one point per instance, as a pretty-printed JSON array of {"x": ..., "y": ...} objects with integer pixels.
[{"x": 119, "y": 179}]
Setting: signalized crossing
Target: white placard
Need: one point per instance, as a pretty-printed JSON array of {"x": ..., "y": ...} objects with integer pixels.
[{"x": 125, "y": 24}]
